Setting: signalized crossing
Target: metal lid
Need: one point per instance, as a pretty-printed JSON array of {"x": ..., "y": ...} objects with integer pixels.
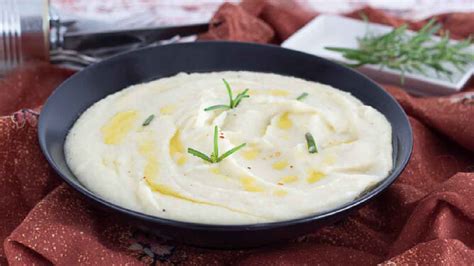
[{"x": 24, "y": 27}]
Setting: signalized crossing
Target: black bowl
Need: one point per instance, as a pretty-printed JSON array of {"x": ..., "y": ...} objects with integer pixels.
[{"x": 83, "y": 89}]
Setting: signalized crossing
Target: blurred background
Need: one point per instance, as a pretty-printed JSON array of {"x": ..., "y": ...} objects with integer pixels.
[{"x": 144, "y": 13}]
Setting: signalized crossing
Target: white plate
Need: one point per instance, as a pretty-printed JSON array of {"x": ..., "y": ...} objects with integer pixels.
[{"x": 338, "y": 31}]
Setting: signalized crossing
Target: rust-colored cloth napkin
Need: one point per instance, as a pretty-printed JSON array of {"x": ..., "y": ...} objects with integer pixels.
[{"x": 425, "y": 217}]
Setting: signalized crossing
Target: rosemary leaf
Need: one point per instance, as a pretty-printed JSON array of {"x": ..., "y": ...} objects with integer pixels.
[
  {"x": 214, "y": 107},
  {"x": 302, "y": 96},
  {"x": 229, "y": 92},
  {"x": 229, "y": 152},
  {"x": 239, "y": 98},
  {"x": 310, "y": 143},
  {"x": 199, "y": 154},
  {"x": 148, "y": 120},
  {"x": 215, "y": 153}
]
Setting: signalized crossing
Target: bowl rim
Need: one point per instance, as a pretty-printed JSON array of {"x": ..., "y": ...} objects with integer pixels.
[{"x": 378, "y": 188}]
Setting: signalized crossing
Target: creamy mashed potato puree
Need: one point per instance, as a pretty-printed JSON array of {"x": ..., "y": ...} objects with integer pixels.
[{"x": 147, "y": 168}]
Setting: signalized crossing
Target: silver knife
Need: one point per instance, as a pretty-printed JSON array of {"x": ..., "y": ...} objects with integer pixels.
[{"x": 86, "y": 41}]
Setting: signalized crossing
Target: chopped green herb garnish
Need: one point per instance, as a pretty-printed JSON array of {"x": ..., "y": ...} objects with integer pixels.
[
  {"x": 233, "y": 102},
  {"x": 302, "y": 96},
  {"x": 310, "y": 142},
  {"x": 214, "y": 157},
  {"x": 148, "y": 120}
]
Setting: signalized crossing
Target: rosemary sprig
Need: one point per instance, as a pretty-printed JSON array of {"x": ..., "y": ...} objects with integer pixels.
[
  {"x": 214, "y": 157},
  {"x": 407, "y": 52},
  {"x": 310, "y": 143},
  {"x": 233, "y": 102},
  {"x": 302, "y": 96},
  {"x": 148, "y": 120}
]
